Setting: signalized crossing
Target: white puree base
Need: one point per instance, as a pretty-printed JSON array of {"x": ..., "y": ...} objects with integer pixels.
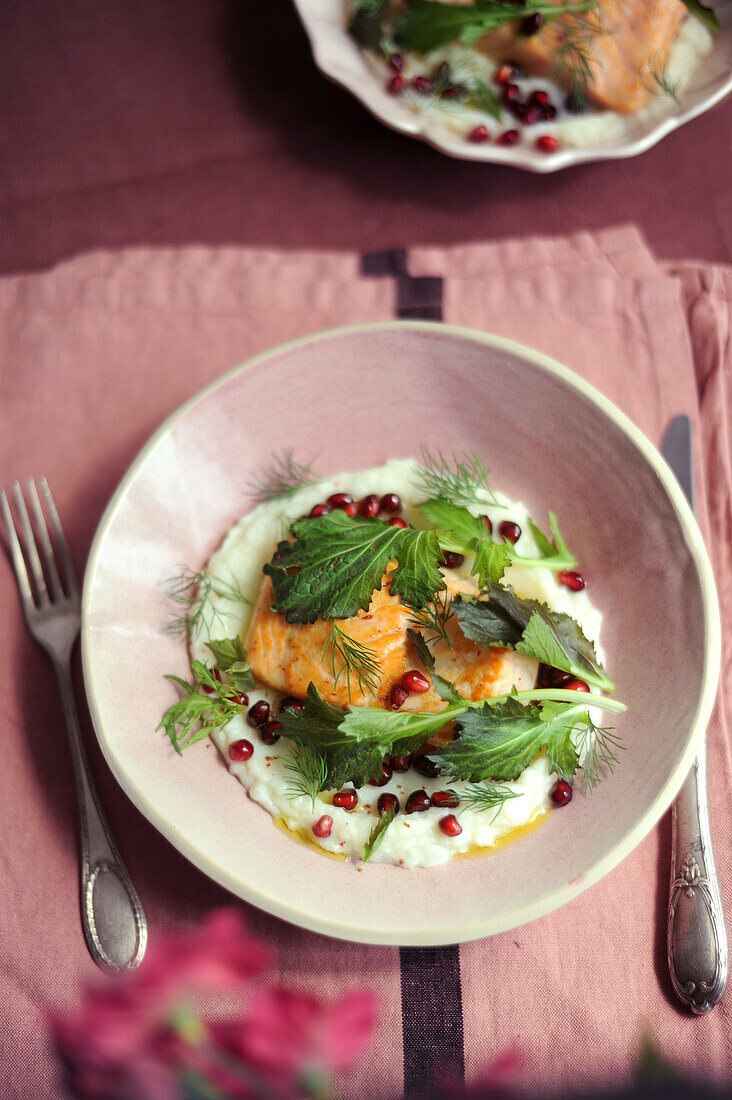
[
  {"x": 411, "y": 841},
  {"x": 591, "y": 128}
]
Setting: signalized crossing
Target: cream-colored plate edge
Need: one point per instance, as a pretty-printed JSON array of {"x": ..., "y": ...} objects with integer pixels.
[{"x": 491, "y": 925}]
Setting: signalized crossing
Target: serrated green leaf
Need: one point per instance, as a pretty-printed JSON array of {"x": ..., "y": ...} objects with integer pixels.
[
  {"x": 417, "y": 576},
  {"x": 498, "y": 741},
  {"x": 429, "y": 24},
  {"x": 377, "y": 833},
  {"x": 555, "y": 639},
  {"x": 230, "y": 657},
  {"x": 336, "y": 562},
  {"x": 487, "y": 622},
  {"x": 491, "y": 559}
]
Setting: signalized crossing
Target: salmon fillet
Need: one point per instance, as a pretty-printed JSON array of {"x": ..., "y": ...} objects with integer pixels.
[
  {"x": 633, "y": 42},
  {"x": 287, "y": 656}
]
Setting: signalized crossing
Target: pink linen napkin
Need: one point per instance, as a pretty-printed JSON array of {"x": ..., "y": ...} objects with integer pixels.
[{"x": 94, "y": 355}]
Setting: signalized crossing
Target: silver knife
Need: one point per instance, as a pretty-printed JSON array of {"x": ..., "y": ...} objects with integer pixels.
[{"x": 696, "y": 937}]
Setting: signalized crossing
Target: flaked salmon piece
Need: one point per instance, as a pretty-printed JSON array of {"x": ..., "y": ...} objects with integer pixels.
[
  {"x": 623, "y": 43},
  {"x": 288, "y": 656}
]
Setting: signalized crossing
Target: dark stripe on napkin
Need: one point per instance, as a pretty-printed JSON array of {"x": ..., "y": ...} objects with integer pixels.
[
  {"x": 432, "y": 1004},
  {"x": 418, "y": 299},
  {"x": 432, "y": 1019}
]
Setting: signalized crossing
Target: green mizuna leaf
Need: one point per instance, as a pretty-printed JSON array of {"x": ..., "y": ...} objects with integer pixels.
[
  {"x": 377, "y": 833},
  {"x": 428, "y": 24},
  {"x": 199, "y": 712},
  {"x": 355, "y": 742},
  {"x": 498, "y": 741},
  {"x": 336, "y": 562},
  {"x": 531, "y": 628},
  {"x": 230, "y": 657}
]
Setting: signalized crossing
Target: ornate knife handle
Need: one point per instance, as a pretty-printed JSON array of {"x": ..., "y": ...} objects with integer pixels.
[{"x": 696, "y": 935}]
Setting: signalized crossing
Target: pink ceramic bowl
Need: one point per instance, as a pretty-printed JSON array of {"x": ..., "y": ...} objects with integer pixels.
[{"x": 551, "y": 441}]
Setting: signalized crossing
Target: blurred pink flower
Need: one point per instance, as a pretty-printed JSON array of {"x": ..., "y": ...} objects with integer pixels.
[
  {"x": 127, "y": 1032},
  {"x": 295, "y": 1036}
]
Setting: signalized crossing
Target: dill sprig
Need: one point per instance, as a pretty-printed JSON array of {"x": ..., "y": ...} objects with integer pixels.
[
  {"x": 283, "y": 477},
  {"x": 433, "y": 620},
  {"x": 462, "y": 481},
  {"x": 661, "y": 83},
  {"x": 192, "y": 592},
  {"x": 356, "y": 659},
  {"x": 488, "y": 796},
  {"x": 307, "y": 770},
  {"x": 573, "y": 59},
  {"x": 599, "y": 746}
]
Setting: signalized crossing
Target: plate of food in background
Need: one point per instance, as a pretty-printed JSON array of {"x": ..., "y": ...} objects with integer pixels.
[{"x": 541, "y": 86}]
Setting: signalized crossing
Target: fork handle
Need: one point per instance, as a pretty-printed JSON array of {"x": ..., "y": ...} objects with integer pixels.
[
  {"x": 114, "y": 921},
  {"x": 696, "y": 935}
]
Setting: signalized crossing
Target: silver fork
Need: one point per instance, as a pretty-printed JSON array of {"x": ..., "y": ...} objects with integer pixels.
[{"x": 113, "y": 918}]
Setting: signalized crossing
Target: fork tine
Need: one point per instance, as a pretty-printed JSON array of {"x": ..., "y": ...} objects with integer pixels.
[
  {"x": 63, "y": 547},
  {"x": 46, "y": 548},
  {"x": 21, "y": 573},
  {"x": 31, "y": 550}
]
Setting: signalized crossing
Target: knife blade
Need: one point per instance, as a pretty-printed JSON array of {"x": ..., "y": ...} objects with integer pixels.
[{"x": 696, "y": 938}]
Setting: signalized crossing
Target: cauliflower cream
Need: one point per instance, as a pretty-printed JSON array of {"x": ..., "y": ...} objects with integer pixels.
[{"x": 413, "y": 840}]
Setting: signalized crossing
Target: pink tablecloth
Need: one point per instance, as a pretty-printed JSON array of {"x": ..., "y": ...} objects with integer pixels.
[{"x": 94, "y": 355}]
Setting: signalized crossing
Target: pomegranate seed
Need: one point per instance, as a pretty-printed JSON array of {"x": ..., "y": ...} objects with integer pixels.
[
  {"x": 350, "y": 509},
  {"x": 415, "y": 681},
  {"x": 400, "y": 763},
  {"x": 452, "y": 91},
  {"x": 452, "y": 561},
  {"x": 346, "y": 799},
  {"x": 540, "y": 98},
  {"x": 487, "y": 519},
  {"x": 531, "y": 24},
  {"x": 289, "y": 702},
  {"x": 383, "y": 778},
  {"x": 397, "y": 521},
  {"x": 557, "y": 678},
  {"x": 550, "y": 112},
  {"x": 396, "y": 62},
  {"x": 511, "y": 92},
  {"x": 323, "y": 826},
  {"x": 422, "y": 84},
  {"x": 576, "y": 685},
  {"x": 417, "y": 803},
  {"x": 450, "y": 825},
  {"x": 339, "y": 500},
  {"x": 547, "y": 144},
  {"x": 561, "y": 793},
  {"x": 240, "y": 750},
  {"x": 390, "y": 503},
  {"x": 208, "y": 690},
  {"x": 258, "y": 714},
  {"x": 369, "y": 506},
  {"x": 533, "y": 115},
  {"x": 509, "y": 530},
  {"x": 478, "y": 134},
  {"x": 426, "y": 767},
  {"x": 510, "y": 137},
  {"x": 386, "y": 802},
  {"x": 398, "y": 697},
  {"x": 320, "y": 510},
  {"x": 240, "y": 698},
  {"x": 445, "y": 798},
  {"x": 503, "y": 74},
  {"x": 571, "y": 579},
  {"x": 396, "y": 85},
  {"x": 269, "y": 733}
]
